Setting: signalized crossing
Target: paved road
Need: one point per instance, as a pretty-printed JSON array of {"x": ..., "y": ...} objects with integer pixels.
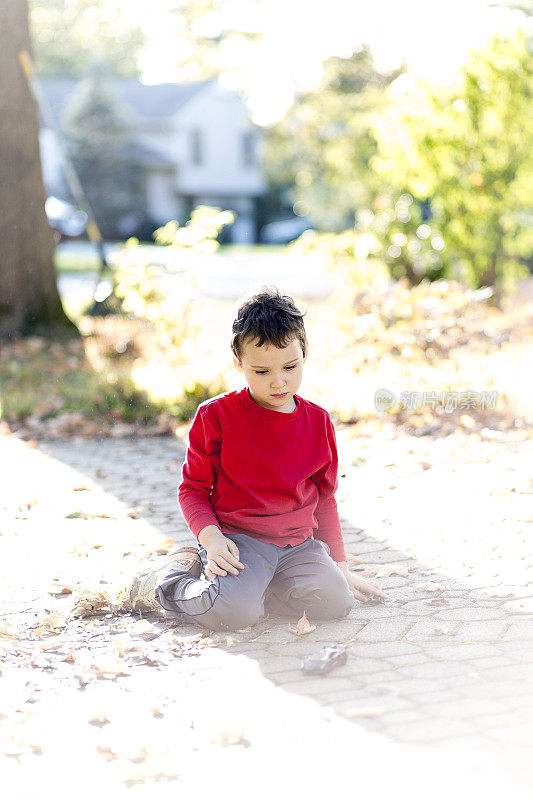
[
  {"x": 437, "y": 693},
  {"x": 224, "y": 275}
]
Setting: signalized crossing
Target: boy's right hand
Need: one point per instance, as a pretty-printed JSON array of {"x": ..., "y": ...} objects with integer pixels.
[{"x": 222, "y": 555}]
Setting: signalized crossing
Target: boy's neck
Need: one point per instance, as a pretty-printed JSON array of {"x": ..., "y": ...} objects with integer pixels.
[{"x": 278, "y": 410}]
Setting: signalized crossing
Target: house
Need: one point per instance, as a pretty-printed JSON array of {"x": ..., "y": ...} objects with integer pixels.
[{"x": 195, "y": 143}]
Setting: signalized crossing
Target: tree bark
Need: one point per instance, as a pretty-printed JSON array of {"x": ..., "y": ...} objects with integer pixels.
[{"x": 29, "y": 298}]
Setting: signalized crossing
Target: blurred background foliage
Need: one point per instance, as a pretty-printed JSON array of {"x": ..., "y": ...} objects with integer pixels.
[
  {"x": 434, "y": 182},
  {"x": 417, "y": 196}
]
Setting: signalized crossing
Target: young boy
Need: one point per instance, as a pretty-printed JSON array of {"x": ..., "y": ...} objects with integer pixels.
[{"x": 257, "y": 491}]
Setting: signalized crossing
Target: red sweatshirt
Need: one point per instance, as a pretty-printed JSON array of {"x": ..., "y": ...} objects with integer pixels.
[{"x": 261, "y": 472}]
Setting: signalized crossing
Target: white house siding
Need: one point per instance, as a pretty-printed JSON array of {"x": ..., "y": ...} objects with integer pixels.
[
  {"x": 222, "y": 178},
  {"x": 222, "y": 119},
  {"x": 162, "y": 200}
]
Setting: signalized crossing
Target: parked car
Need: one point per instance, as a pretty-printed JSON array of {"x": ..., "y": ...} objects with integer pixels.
[
  {"x": 67, "y": 221},
  {"x": 284, "y": 230}
]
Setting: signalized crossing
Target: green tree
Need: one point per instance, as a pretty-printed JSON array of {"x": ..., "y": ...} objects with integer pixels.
[
  {"x": 104, "y": 153},
  {"x": 70, "y": 35},
  {"x": 318, "y": 155},
  {"x": 470, "y": 151},
  {"x": 214, "y": 37}
]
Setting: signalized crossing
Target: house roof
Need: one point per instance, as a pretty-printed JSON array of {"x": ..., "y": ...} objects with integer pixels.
[{"x": 147, "y": 104}]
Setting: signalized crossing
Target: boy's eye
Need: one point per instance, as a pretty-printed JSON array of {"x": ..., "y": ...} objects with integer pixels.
[{"x": 263, "y": 372}]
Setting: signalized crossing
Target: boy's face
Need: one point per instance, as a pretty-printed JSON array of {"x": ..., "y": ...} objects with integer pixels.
[{"x": 273, "y": 374}]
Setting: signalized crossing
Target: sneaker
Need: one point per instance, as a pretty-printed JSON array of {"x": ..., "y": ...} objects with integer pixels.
[{"x": 142, "y": 591}]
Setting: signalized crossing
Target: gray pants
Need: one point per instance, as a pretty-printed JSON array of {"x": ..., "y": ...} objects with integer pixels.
[{"x": 285, "y": 581}]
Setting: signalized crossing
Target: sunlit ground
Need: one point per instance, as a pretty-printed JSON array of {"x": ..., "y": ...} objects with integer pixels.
[{"x": 336, "y": 375}]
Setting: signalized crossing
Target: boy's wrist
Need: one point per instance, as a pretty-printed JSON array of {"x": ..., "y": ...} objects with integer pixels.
[{"x": 207, "y": 535}]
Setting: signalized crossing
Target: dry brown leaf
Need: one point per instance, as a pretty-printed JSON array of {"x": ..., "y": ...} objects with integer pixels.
[
  {"x": 89, "y": 603},
  {"x": 99, "y": 720},
  {"x": 244, "y": 630},
  {"x": 7, "y": 631},
  {"x": 59, "y": 589},
  {"x": 109, "y": 665},
  {"x": 365, "y": 711},
  {"x": 106, "y": 752},
  {"x": 230, "y": 641},
  {"x": 53, "y": 623},
  {"x": 49, "y": 645},
  {"x": 80, "y": 489},
  {"x": 437, "y": 601},
  {"x": 353, "y": 558},
  {"x": 303, "y": 626},
  {"x": 429, "y": 586},
  {"x": 163, "y": 546},
  {"x": 386, "y": 570},
  {"x": 71, "y": 657},
  {"x": 143, "y": 628}
]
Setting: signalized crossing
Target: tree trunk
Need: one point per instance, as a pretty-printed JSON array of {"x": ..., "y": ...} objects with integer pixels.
[{"x": 29, "y": 298}]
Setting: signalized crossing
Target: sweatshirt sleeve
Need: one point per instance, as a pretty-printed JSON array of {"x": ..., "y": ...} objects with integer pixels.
[
  {"x": 326, "y": 513},
  {"x": 200, "y": 470}
]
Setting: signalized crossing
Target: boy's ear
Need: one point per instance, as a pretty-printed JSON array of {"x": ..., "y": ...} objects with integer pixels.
[
  {"x": 306, "y": 352},
  {"x": 237, "y": 363}
]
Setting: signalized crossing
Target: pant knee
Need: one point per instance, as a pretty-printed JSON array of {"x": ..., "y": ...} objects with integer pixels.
[
  {"x": 231, "y": 616},
  {"x": 336, "y": 602}
]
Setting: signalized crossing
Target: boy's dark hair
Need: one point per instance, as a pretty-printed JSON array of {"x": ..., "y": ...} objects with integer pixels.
[{"x": 270, "y": 317}]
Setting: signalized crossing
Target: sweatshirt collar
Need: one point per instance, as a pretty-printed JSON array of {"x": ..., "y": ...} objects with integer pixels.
[{"x": 268, "y": 413}]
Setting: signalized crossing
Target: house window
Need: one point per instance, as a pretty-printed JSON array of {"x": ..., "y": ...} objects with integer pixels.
[
  {"x": 248, "y": 149},
  {"x": 196, "y": 146}
]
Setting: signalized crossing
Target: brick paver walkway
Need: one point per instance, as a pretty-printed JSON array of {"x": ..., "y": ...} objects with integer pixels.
[{"x": 438, "y": 687}]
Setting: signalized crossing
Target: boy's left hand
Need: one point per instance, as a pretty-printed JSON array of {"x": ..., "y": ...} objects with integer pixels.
[{"x": 361, "y": 589}]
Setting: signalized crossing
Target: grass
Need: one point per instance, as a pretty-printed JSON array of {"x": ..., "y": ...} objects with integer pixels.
[{"x": 71, "y": 262}]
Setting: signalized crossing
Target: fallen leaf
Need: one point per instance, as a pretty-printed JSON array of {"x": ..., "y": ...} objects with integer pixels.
[
  {"x": 7, "y": 631},
  {"x": 89, "y": 603},
  {"x": 429, "y": 586},
  {"x": 98, "y": 720},
  {"x": 230, "y": 641},
  {"x": 231, "y": 737},
  {"x": 303, "y": 626},
  {"x": 71, "y": 657},
  {"x": 58, "y": 589},
  {"x": 437, "y": 601},
  {"x": 106, "y": 752},
  {"x": 109, "y": 665},
  {"x": 386, "y": 570},
  {"x": 53, "y": 623},
  {"x": 100, "y": 473},
  {"x": 365, "y": 711},
  {"x": 142, "y": 628},
  {"x": 163, "y": 546},
  {"x": 244, "y": 630},
  {"x": 135, "y": 512},
  {"x": 353, "y": 558},
  {"x": 49, "y": 645},
  {"x": 80, "y": 489}
]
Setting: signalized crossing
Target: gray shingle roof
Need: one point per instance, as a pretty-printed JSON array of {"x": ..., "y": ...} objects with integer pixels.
[{"x": 146, "y": 103}]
